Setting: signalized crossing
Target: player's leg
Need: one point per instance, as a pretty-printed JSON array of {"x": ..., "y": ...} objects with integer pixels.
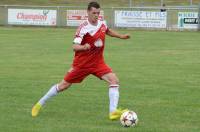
[
  {"x": 54, "y": 90},
  {"x": 74, "y": 75},
  {"x": 104, "y": 72},
  {"x": 113, "y": 82}
]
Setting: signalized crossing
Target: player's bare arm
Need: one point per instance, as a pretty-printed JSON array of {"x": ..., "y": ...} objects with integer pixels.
[
  {"x": 113, "y": 33},
  {"x": 78, "y": 47}
]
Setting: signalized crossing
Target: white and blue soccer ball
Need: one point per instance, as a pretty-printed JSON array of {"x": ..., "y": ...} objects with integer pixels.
[{"x": 129, "y": 119}]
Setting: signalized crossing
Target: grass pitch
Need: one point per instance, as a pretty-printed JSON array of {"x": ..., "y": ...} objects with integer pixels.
[{"x": 159, "y": 75}]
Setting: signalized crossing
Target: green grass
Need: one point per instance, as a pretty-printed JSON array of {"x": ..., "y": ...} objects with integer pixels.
[{"x": 159, "y": 74}]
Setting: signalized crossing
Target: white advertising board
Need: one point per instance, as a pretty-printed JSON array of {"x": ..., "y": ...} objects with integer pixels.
[
  {"x": 144, "y": 19},
  {"x": 75, "y": 17},
  {"x": 188, "y": 20},
  {"x": 32, "y": 17}
]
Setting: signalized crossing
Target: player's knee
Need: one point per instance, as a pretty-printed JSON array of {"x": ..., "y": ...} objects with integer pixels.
[
  {"x": 111, "y": 78},
  {"x": 63, "y": 85},
  {"x": 114, "y": 81}
]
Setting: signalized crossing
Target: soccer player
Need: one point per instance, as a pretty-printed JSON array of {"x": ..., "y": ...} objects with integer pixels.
[{"x": 88, "y": 45}]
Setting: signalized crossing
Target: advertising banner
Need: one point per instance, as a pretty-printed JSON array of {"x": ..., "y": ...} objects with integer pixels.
[
  {"x": 188, "y": 20},
  {"x": 32, "y": 17},
  {"x": 143, "y": 19},
  {"x": 75, "y": 17}
]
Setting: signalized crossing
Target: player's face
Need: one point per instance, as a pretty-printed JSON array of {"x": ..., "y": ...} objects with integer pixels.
[{"x": 93, "y": 14}]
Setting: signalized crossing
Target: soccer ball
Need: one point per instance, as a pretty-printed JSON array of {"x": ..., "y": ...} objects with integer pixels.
[{"x": 129, "y": 119}]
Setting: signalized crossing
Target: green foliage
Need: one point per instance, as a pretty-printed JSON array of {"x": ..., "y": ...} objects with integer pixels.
[{"x": 159, "y": 76}]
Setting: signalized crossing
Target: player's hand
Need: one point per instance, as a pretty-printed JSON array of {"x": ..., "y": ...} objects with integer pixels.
[
  {"x": 125, "y": 36},
  {"x": 87, "y": 47}
]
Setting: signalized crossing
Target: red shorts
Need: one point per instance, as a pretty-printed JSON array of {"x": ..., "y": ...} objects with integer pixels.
[{"x": 76, "y": 75}]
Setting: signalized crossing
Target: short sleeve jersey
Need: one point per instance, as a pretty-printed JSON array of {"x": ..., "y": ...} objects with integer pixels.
[{"x": 95, "y": 37}]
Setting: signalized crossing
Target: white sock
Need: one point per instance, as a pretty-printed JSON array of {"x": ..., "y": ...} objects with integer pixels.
[
  {"x": 52, "y": 92},
  {"x": 113, "y": 96}
]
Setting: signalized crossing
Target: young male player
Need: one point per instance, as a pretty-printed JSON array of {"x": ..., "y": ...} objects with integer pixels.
[{"x": 88, "y": 46}]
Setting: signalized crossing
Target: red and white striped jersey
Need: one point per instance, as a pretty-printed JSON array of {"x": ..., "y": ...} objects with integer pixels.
[{"x": 95, "y": 36}]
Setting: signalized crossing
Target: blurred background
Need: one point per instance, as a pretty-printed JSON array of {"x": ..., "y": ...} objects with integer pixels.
[
  {"x": 104, "y": 3},
  {"x": 174, "y": 14}
]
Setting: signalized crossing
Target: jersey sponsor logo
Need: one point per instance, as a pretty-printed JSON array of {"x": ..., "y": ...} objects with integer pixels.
[{"x": 98, "y": 43}]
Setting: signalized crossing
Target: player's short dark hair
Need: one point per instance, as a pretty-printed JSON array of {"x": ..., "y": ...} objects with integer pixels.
[{"x": 93, "y": 4}]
